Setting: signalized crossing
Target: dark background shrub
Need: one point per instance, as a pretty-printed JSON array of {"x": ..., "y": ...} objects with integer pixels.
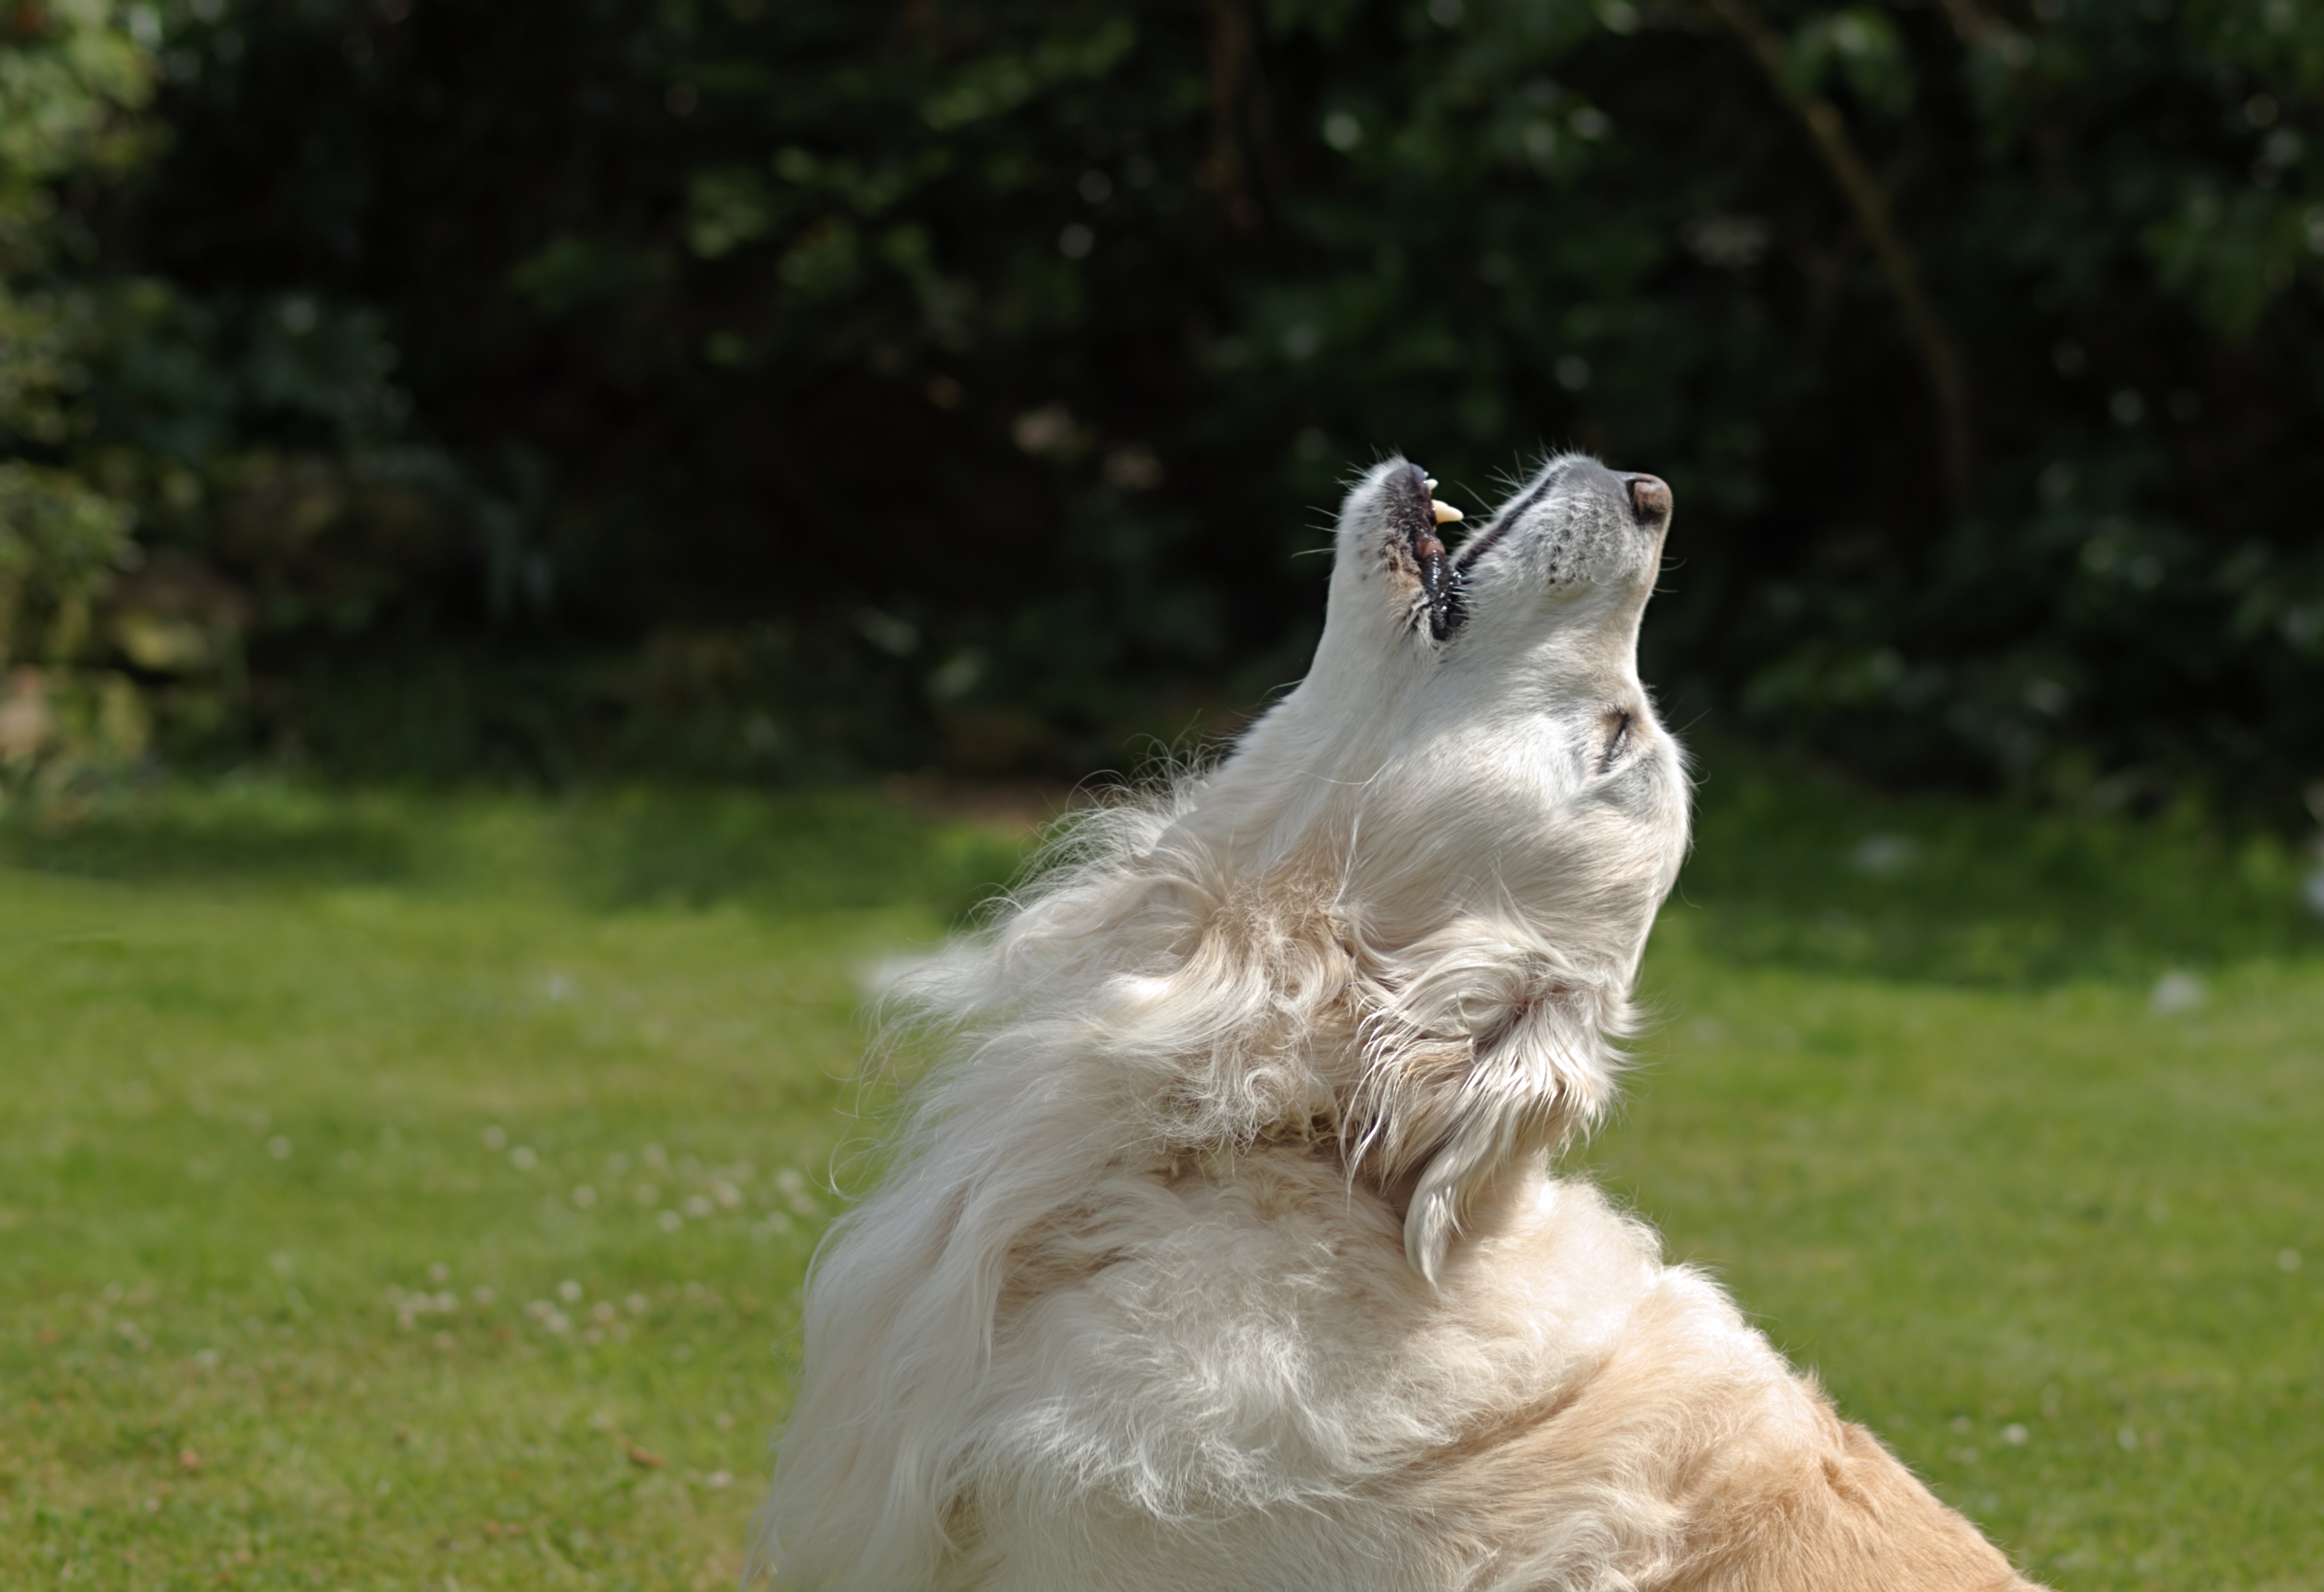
[{"x": 777, "y": 386}]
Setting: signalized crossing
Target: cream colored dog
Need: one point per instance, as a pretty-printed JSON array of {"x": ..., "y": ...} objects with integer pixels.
[{"x": 1224, "y": 1251}]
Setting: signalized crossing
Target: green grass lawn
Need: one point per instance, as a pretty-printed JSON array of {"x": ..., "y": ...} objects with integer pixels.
[{"x": 411, "y": 1192}]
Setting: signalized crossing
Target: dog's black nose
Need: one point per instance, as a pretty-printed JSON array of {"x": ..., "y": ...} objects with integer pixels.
[{"x": 1650, "y": 497}]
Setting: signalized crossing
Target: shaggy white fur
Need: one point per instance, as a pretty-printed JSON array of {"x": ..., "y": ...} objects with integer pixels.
[{"x": 1224, "y": 1251}]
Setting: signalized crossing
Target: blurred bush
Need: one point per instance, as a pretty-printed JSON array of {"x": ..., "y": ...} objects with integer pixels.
[{"x": 769, "y": 385}]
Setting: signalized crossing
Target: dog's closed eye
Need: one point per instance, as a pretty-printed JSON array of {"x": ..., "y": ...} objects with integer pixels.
[{"x": 1617, "y": 728}]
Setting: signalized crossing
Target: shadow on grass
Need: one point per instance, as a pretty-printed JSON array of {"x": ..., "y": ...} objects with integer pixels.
[
  {"x": 786, "y": 854},
  {"x": 212, "y": 837},
  {"x": 1788, "y": 869},
  {"x": 1791, "y": 869}
]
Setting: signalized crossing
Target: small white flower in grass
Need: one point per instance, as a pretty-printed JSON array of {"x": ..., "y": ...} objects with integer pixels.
[
  {"x": 2177, "y": 992},
  {"x": 790, "y": 1182},
  {"x": 2128, "y": 1437},
  {"x": 558, "y": 1322},
  {"x": 647, "y": 1194},
  {"x": 720, "y": 1478},
  {"x": 601, "y": 1312},
  {"x": 1884, "y": 856},
  {"x": 698, "y": 1206},
  {"x": 655, "y": 1156},
  {"x": 483, "y": 1296},
  {"x": 669, "y": 1221},
  {"x": 635, "y": 1304},
  {"x": 2014, "y": 1434},
  {"x": 569, "y": 1291},
  {"x": 445, "y": 1343},
  {"x": 279, "y": 1147},
  {"x": 584, "y": 1197},
  {"x": 446, "y": 1302},
  {"x": 728, "y": 1195},
  {"x": 2287, "y": 1260},
  {"x": 496, "y": 1138},
  {"x": 523, "y": 1158},
  {"x": 602, "y": 1420},
  {"x": 539, "y": 1308}
]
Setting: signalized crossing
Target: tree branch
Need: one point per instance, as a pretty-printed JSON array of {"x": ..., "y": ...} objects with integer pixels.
[{"x": 1940, "y": 365}]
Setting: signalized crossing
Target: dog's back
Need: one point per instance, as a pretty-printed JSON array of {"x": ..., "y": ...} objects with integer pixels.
[{"x": 1224, "y": 1251}]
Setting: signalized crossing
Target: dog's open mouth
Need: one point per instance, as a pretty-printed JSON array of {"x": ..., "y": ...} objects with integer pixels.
[{"x": 1414, "y": 514}]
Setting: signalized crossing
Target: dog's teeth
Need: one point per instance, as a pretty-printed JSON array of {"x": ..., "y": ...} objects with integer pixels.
[
  {"x": 1444, "y": 512},
  {"x": 1429, "y": 481}
]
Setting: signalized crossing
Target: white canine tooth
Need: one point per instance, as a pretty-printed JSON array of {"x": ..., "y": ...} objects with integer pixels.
[
  {"x": 1446, "y": 512},
  {"x": 1430, "y": 481}
]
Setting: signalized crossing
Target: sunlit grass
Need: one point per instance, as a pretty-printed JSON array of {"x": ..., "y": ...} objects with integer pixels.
[{"x": 402, "y": 1191}]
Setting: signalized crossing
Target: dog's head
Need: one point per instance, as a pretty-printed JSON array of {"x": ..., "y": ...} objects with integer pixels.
[
  {"x": 1474, "y": 763},
  {"x": 1473, "y": 729}
]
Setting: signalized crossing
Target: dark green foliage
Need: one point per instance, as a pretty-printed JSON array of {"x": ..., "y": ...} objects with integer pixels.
[{"x": 978, "y": 370}]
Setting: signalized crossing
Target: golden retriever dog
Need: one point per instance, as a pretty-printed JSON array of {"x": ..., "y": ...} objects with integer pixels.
[{"x": 1223, "y": 1248}]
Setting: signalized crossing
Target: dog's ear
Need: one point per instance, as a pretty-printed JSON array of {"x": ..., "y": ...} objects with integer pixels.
[{"x": 1505, "y": 1056}]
